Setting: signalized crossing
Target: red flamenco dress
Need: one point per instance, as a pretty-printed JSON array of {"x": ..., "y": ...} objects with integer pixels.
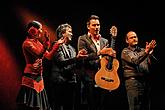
[{"x": 32, "y": 95}]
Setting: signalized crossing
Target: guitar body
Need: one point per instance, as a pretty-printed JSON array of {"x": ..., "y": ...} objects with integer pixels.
[
  {"x": 108, "y": 79},
  {"x": 107, "y": 76}
]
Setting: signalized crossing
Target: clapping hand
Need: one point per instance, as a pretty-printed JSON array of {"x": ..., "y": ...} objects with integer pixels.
[
  {"x": 82, "y": 53},
  {"x": 150, "y": 46},
  {"x": 47, "y": 39},
  {"x": 46, "y": 35}
]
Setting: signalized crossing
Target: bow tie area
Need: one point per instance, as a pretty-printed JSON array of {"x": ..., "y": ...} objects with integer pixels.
[{"x": 97, "y": 37}]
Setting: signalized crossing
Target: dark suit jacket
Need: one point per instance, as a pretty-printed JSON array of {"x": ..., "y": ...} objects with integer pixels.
[{"x": 91, "y": 63}]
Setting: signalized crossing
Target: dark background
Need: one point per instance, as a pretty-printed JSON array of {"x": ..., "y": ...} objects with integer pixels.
[{"x": 146, "y": 18}]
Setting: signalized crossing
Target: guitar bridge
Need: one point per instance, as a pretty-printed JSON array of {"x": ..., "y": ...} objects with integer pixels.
[{"x": 107, "y": 79}]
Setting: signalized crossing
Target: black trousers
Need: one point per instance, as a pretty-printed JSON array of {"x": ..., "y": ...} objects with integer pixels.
[
  {"x": 64, "y": 96},
  {"x": 138, "y": 92},
  {"x": 94, "y": 97}
]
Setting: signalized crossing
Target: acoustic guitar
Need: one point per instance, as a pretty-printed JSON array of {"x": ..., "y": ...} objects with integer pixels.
[{"x": 107, "y": 76}]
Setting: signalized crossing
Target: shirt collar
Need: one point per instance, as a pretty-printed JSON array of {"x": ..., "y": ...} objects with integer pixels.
[{"x": 97, "y": 37}]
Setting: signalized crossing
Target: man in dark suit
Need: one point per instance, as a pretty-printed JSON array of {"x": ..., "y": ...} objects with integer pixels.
[{"x": 96, "y": 46}]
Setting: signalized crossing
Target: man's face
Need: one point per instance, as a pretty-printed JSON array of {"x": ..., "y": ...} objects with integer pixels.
[
  {"x": 132, "y": 38},
  {"x": 94, "y": 27}
]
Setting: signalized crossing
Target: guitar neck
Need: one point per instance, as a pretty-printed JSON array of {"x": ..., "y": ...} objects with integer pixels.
[
  {"x": 109, "y": 65},
  {"x": 113, "y": 43}
]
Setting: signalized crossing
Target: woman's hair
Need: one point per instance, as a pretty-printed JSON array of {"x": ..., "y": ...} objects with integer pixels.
[
  {"x": 62, "y": 29},
  {"x": 32, "y": 28},
  {"x": 35, "y": 24}
]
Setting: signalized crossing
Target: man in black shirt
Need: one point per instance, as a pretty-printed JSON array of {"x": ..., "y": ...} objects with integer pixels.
[{"x": 135, "y": 64}]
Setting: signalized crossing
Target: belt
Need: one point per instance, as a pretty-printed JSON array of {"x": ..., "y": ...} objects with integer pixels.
[{"x": 135, "y": 78}]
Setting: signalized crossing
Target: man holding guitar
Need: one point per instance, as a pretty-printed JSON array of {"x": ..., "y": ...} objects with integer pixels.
[
  {"x": 107, "y": 76},
  {"x": 97, "y": 47}
]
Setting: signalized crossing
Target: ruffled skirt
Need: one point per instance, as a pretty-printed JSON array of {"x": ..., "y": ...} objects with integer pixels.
[{"x": 29, "y": 98}]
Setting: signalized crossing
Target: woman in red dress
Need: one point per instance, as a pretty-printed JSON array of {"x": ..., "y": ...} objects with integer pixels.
[{"x": 32, "y": 94}]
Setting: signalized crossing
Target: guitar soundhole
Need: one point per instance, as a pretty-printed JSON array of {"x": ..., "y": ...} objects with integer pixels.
[
  {"x": 109, "y": 65},
  {"x": 107, "y": 79}
]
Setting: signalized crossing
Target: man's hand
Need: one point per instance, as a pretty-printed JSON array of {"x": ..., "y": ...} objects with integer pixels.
[
  {"x": 108, "y": 51},
  {"x": 150, "y": 46}
]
